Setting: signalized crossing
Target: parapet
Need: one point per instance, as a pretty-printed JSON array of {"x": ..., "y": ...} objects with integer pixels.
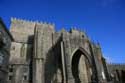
[
  {"x": 30, "y": 22},
  {"x": 75, "y": 31},
  {"x": 23, "y": 29}
]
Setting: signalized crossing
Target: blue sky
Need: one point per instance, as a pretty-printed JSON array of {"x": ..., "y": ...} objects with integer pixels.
[{"x": 103, "y": 20}]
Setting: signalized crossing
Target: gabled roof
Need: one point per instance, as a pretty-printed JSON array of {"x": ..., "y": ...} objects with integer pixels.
[{"x": 5, "y": 28}]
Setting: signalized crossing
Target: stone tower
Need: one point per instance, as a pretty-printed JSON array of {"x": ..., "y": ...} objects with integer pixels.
[{"x": 39, "y": 54}]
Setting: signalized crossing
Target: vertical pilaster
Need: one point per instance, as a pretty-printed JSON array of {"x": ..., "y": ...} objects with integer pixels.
[
  {"x": 38, "y": 60},
  {"x": 97, "y": 69},
  {"x": 68, "y": 58},
  {"x": 38, "y": 71},
  {"x": 43, "y": 56}
]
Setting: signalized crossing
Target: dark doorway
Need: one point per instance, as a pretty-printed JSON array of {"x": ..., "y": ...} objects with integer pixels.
[
  {"x": 123, "y": 76},
  {"x": 81, "y": 69}
]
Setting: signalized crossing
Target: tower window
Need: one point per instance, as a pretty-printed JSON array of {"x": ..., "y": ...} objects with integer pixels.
[
  {"x": 83, "y": 36},
  {"x": 13, "y": 48},
  {"x": 10, "y": 77},
  {"x": 24, "y": 77},
  {"x": 25, "y": 69},
  {"x": 11, "y": 68}
]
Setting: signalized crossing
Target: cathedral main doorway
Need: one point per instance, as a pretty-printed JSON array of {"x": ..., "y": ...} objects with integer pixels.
[{"x": 81, "y": 69}]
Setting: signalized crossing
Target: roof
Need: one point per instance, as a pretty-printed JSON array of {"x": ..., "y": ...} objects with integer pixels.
[{"x": 5, "y": 28}]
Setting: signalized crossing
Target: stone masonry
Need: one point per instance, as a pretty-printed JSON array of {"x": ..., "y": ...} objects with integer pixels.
[{"x": 39, "y": 54}]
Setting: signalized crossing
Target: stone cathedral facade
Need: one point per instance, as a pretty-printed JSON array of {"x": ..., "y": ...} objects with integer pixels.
[{"x": 39, "y": 54}]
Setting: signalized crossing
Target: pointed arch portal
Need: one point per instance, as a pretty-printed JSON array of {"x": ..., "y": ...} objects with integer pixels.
[{"x": 81, "y": 67}]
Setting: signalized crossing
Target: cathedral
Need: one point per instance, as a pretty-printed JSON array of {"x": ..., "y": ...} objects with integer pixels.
[{"x": 34, "y": 52}]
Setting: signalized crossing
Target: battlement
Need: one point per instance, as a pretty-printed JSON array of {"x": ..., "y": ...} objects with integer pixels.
[
  {"x": 23, "y": 29},
  {"x": 76, "y": 30},
  {"x": 16, "y": 20},
  {"x": 27, "y": 24}
]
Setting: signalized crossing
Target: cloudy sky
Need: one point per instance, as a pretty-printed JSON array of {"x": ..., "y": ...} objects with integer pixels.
[{"x": 103, "y": 20}]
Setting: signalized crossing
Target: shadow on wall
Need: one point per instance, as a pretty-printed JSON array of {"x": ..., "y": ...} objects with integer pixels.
[
  {"x": 29, "y": 57},
  {"x": 53, "y": 65}
]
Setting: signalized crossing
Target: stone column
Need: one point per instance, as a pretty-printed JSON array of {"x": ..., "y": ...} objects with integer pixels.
[{"x": 63, "y": 63}]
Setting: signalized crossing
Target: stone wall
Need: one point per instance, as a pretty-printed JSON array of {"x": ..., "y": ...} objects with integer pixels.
[
  {"x": 19, "y": 63},
  {"x": 43, "y": 54},
  {"x": 39, "y": 54},
  {"x": 22, "y": 30},
  {"x": 117, "y": 72}
]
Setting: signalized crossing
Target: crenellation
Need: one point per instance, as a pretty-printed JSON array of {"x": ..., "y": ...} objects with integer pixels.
[
  {"x": 13, "y": 19},
  {"x": 74, "y": 30},
  {"x": 62, "y": 31}
]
